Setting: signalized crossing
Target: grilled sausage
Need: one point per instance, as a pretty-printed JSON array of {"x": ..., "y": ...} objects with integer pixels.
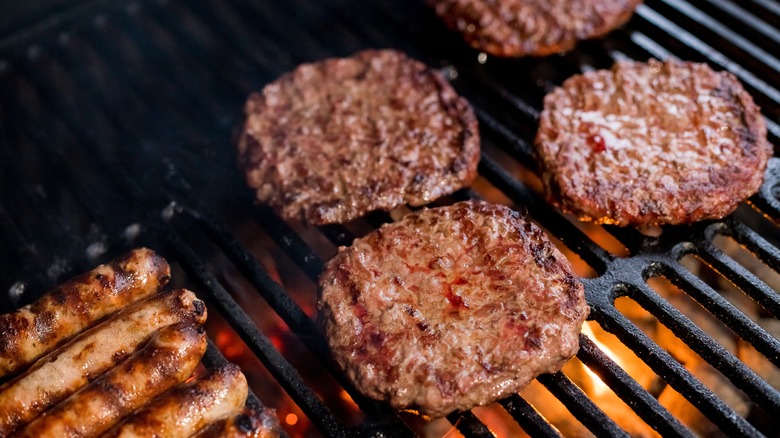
[
  {"x": 34, "y": 330},
  {"x": 168, "y": 359},
  {"x": 246, "y": 423},
  {"x": 185, "y": 409},
  {"x": 65, "y": 370}
]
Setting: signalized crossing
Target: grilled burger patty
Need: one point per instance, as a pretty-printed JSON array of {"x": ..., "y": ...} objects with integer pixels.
[
  {"x": 451, "y": 308},
  {"x": 333, "y": 140},
  {"x": 651, "y": 143},
  {"x": 532, "y": 27}
]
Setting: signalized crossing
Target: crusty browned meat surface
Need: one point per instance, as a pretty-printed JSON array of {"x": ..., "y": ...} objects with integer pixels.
[
  {"x": 532, "y": 27},
  {"x": 651, "y": 143},
  {"x": 168, "y": 359},
  {"x": 187, "y": 408},
  {"x": 336, "y": 139},
  {"x": 63, "y": 371},
  {"x": 246, "y": 423},
  {"x": 36, "y": 329},
  {"x": 451, "y": 308}
]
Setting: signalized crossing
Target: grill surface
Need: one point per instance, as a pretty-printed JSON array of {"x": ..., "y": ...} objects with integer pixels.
[{"x": 115, "y": 131}]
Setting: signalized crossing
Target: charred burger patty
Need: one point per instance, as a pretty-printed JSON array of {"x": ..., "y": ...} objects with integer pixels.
[
  {"x": 451, "y": 308},
  {"x": 336, "y": 139},
  {"x": 651, "y": 143}
]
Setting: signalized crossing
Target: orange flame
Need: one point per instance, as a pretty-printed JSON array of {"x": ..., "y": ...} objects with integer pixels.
[{"x": 598, "y": 387}]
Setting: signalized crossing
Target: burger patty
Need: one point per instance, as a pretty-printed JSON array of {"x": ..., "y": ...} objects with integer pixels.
[
  {"x": 532, "y": 27},
  {"x": 336, "y": 139},
  {"x": 451, "y": 308},
  {"x": 651, "y": 143}
]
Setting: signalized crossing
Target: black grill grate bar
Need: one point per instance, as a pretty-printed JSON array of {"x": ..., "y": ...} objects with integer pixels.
[
  {"x": 195, "y": 80},
  {"x": 747, "y": 18},
  {"x": 102, "y": 115},
  {"x": 47, "y": 219},
  {"x": 189, "y": 31},
  {"x": 135, "y": 87},
  {"x": 273, "y": 24},
  {"x": 52, "y": 154},
  {"x": 768, "y": 198},
  {"x": 664, "y": 365},
  {"x": 187, "y": 83},
  {"x": 15, "y": 234},
  {"x": 528, "y": 418},
  {"x": 582, "y": 407},
  {"x": 765, "y": 251},
  {"x": 769, "y": 5},
  {"x": 748, "y": 282},
  {"x": 528, "y": 111},
  {"x": 290, "y": 241},
  {"x": 260, "y": 345},
  {"x": 631, "y": 392},
  {"x": 711, "y": 351},
  {"x": 512, "y": 143},
  {"x": 469, "y": 425},
  {"x": 725, "y": 32},
  {"x": 722, "y": 309}
]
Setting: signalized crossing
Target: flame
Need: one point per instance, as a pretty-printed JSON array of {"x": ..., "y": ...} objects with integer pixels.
[{"x": 598, "y": 387}]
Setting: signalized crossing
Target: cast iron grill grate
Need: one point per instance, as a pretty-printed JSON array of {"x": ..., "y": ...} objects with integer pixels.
[{"x": 115, "y": 127}]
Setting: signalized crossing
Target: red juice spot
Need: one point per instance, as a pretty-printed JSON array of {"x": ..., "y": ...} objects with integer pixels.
[
  {"x": 455, "y": 300},
  {"x": 597, "y": 143}
]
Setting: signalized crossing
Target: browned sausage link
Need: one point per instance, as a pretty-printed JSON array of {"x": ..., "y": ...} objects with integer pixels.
[
  {"x": 36, "y": 329},
  {"x": 186, "y": 408},
  {"x": 63, "y": 371},
  {"x": 168, "y": 359},
  {"x": 248, "y": 422}
]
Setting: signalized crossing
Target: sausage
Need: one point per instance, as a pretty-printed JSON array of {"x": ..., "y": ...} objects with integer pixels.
[
  {"x": 34, "y": 330},
  {"x": 65, "y": 370},
  {"x": 168, "y": 359},
  {"x": 245, "y": 423},
  {"x": 185, "y": 409}
]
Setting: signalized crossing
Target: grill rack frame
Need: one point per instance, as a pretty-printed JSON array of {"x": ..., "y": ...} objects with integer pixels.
[{"x": 649, "y": 256}]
